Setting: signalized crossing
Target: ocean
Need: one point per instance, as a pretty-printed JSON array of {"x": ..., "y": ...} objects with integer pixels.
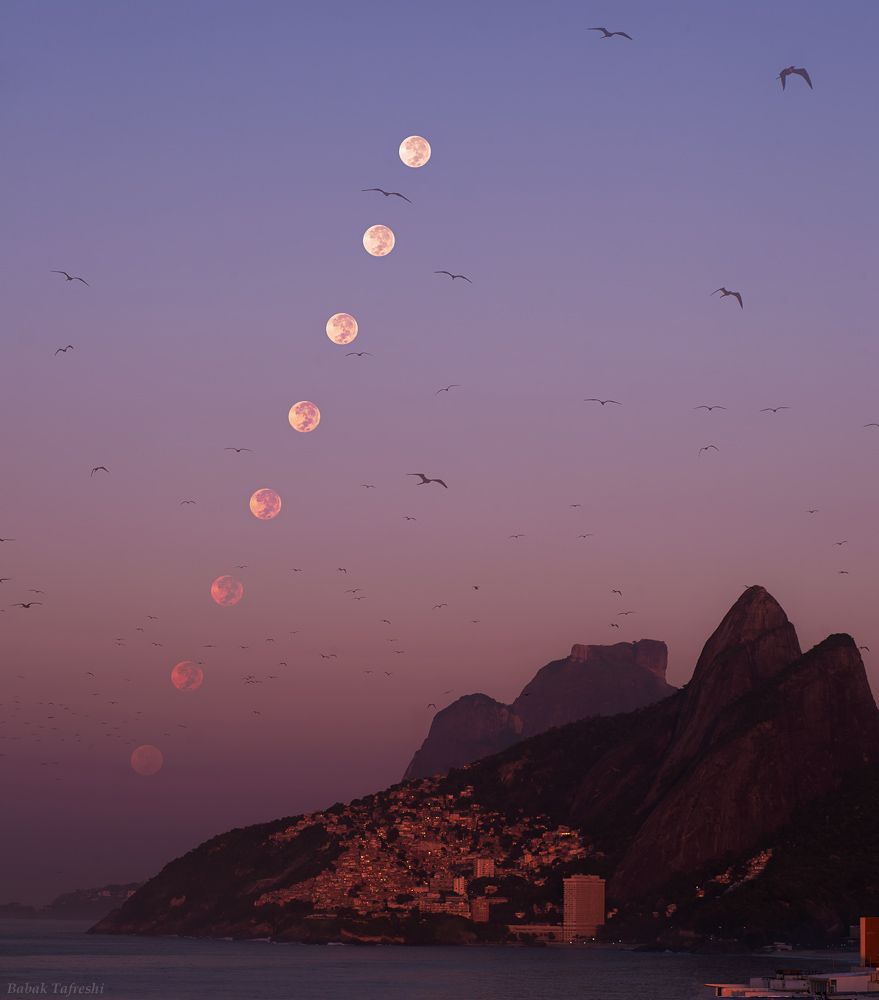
[{"x": 52, "y": 956}]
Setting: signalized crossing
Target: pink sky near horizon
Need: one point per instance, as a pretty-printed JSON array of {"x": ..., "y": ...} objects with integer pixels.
[{"x": 595, "y": 201}]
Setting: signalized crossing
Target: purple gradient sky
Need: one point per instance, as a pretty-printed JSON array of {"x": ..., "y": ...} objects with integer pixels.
[{"x": 201, "y": 165}]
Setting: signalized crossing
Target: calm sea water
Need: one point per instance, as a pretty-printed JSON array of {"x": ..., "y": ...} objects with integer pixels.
[{"x": 132, "y": 968}]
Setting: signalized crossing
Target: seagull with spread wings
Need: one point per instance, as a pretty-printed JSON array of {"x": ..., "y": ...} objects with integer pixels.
[
  {"x": 71, "y": 277},
  {"x": 603, "y": 402},
  {"x": 64, "y": 350},
  {"x": 611, "y": 34},
  {"x": 798, "y": 71},
  {"x": 388, "y": 194},
  {"x": 425, "y": 480},
  {"x": 725, "y": 291},
  {"x": 453, "y": 276}
]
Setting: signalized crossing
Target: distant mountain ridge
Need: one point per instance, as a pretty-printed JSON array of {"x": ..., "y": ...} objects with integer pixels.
[
  {"x": 698, "y": 810},
  {"x": 592, "y": 680}
]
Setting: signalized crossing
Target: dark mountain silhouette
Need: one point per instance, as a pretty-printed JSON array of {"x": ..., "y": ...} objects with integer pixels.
[
  {"x": 593, "y": 680},
  {"x": 698, "y": 809}
]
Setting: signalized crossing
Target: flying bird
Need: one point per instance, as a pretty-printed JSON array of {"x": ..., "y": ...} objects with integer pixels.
[
  {"x": 430, "y": 704},
  {"x": 867, "y": 648},
  {"x": 516, "y": 536},
  {"x": 813, "y": 510},
  {"x": 354, "y": 590},
  {"x": 454, "y": 386},
  {"x": 799, "y": 71},
  {"x": 453, "y": 276},
  {"x": 425, "y": 480},
  {"x": 725, "y": 291},
  {"x": 603, "y": 402},
  {"x": 187, "y": 501},
  {"x": 617, "y": 592},
  {"x": 773, "y": 409},
  {"x": 844, "y": 572},
  {"x": 844, "y": 542},
  {"x": 388, "y": 194},
  {"x": 64, "y": 350},
  {"x": 386, "y": 621},
  {"x": 610, "y": 34},
  {"x": 407, "y": 517},
  {"x": 705, "y": 406},
  {"x": 614, "y": 625},
  {"x": 589, "y": 534},
  {"x": 7, "y": 539},
  {"x": 359, "y": 354},
  {"x": 99, "y": 468},
  {"x": 621, "y": 613},
  {"x": 238, "y": 450},
  {"x": 708, "y": 447},
  {"x": 71, "y": 277},
  {"x": 368, "y": 486},
  {"x": 25, "y": 604},
  {"x": 871, "y": 425},
  {"x": 439, "y": 606}
]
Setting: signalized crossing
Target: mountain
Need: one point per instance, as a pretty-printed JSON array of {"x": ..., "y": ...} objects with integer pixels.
[
  {"x": 698, "y": 810},
  {"x": 592, "y": 680},
  {"x": 81, "y": 904}
]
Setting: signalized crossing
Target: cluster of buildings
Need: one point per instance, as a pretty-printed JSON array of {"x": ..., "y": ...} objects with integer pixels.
[{"x": 417, "y": 849}]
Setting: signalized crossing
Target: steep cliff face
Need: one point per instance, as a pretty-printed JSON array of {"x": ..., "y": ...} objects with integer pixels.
[
  {"x": 472, "y": 727},
  {"x": 593, "y": 680}
]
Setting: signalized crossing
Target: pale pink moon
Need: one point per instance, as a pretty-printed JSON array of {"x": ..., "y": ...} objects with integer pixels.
[
  {"x": 415, "y": 151},
  {"x": 226, "y": 591},
  {"x": 187, "y": 676},
  {"x": 304, "y": 416},
  {"x": 342, "y": 328},
  {"x": 265, "y": 504},
  {"x": 378, "y": 241},
  {"x": 147, "y": 760}
]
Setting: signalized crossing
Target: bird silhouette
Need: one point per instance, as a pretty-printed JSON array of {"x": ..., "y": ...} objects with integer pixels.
[
  {"x": 187, "y": 501},
  {"x": 453, "y": 386},
  {"x": 799, "y": 71},
  {"x": 407, "y": 517},
  {"x": 430, "y": 704},
  {"x": 516, "y": 536},
  {"x": 588, "y": 534},
  {"x": 725, "y": 291},
  {"x": 871, "y": 425},
  {"x": 813, "y": 510},
  {"x": 709, "y": 447},
  {"x": 611, "y": 34},
  {"x": 7, "y": 539},
  {"x": 99, "y": 468},
  {"x": 843, "y": 542},
  {"x": 617, "y": 592},
  {"x": 622, "y": 613},
  {"x": 425, "y": 480},
  {"x": 389, "y": 194},
  {"x": 64, "y": 350},
  {"x": 603, "y": 402},
  {"x": 705, "y": 406},
  {"x": 439, "y": 606},
  {"x": 71, "y": 277},
  {"x": 359, "y": 354},
  {"x": 614, "y": 625},
  {"x": 867, "y": 648},
  {"x": 368, "y": 486},
  {"x": 773, "y": 409},
  {"x": 354, "y": 590},
  {"x": 25, "y": 604},
  {"x": 453, "y": 276},
  {"x": 238, "y": 450}
]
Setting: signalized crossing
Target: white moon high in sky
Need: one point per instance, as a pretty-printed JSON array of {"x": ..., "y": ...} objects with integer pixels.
[
  {"x": 415, "y": 151},
  {"x": 342, "y": 328},
  {"x": 378, "y": 241}
]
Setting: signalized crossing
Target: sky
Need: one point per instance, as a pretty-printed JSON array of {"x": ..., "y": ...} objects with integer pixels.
[{"x": 200, "y": 164}]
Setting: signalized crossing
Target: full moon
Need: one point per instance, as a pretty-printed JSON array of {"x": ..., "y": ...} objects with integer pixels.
[
  {"x": 415, "y": 151},
  {"x": 147, "y": 760},
  {"x": 187, "y": 676},
  {"x": 226, "y": 591},
  {"x": 341, "y": 328},
  {"x": 304, "y": 416},
  {"x": 265, "y": 504},
  {"x": 378, "y": 241}
]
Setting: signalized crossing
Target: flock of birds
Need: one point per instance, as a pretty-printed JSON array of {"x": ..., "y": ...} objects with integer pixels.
[{"x": 119, "y": 728}]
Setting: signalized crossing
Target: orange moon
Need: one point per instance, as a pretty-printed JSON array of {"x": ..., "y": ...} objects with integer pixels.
[
  {"x": 378, "y": 241},
  {"x": 226, "y": 591},
  {"x": 304, "y": 416},
  {"x": 415, "y": 151},
  {"x": 342, "y": 328},
  {"x": 187, "y": 676},
  {"x": 265, "y": 504},
  {"x": 147, "y": 760}
]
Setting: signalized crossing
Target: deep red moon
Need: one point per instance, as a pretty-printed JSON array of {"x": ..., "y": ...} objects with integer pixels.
[
  {"x": 187, "y": 676},
  {"x": 226, "y": 591},
  {"x": 147, "y": 760}
]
